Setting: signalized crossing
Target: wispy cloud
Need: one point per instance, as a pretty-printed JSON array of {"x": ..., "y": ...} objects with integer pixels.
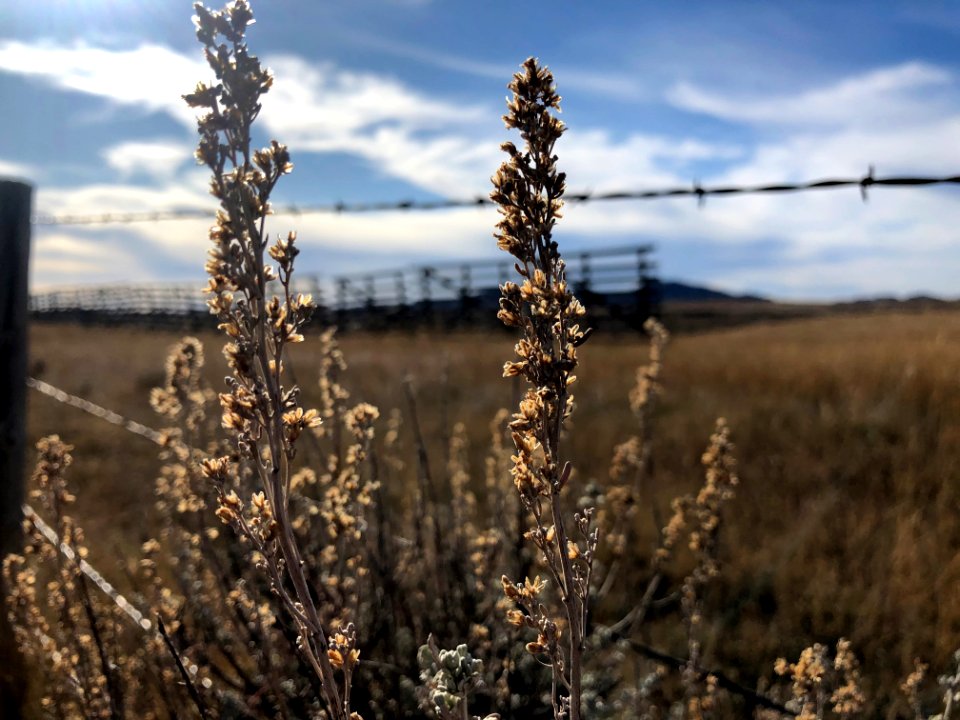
[
  {"x": 428, "y": 56},
  {"x": 320, "y": 103},
  {"x": 76, "y": 257},
  {"x": 604, "y": 83},
  {"x": 886, "y": 95},
  {"x": 595, "y": 160},
  {"x": 928, "y": 147}
]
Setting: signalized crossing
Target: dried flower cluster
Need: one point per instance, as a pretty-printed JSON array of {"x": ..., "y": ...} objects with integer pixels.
[
  {"x": 630, "y": 470},
  {"x": 819, "y": 684}
]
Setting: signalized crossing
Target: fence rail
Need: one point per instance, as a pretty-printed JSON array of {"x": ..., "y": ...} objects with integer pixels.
[{"x": 616, "y": 282}]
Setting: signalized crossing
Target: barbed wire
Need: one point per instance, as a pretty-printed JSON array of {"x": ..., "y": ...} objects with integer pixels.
[
  {"x": 135, "y": 615},
  {"x": 50, "y": 534},
  {"x": 700, "y": 192},
  {"x": 95, "y": 576},
  {"x": 97, "y": 411}
]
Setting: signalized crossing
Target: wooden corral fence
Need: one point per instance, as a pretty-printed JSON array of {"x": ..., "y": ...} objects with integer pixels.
[
  {"x": 180, "y": 304},
  {"x": 618, "y": 286},
  {"x": 614, "y": 283}
]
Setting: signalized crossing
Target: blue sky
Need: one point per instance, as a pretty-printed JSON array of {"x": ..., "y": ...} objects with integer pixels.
[{"x": 401, "y": 99}]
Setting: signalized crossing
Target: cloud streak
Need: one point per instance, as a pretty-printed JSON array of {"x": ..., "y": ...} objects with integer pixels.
[
  {"x": 10, "y": 169},
  {"x": 885, "y": 95}
]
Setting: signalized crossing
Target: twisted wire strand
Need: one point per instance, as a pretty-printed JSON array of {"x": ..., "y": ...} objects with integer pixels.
[
  {"x": 97, "y": 411},
  {"x": 94, "y": 575},
  {"x": 100, "y": 582},
  {"x": 694, "y": 190}
]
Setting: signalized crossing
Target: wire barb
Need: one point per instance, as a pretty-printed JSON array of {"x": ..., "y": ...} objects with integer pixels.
[{"x": 865, "y": 183}]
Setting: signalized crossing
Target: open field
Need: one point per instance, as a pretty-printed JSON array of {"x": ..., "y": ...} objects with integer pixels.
[{"x": 848, "y": 437}]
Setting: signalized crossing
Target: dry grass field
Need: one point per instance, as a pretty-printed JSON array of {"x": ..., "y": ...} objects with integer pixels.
[{"x": 847, "y": 432}]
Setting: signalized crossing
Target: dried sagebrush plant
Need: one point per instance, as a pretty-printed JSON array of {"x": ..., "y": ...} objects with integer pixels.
[
  {"x": 528, "y": 190},
  {"x": 260, "y": 409}
]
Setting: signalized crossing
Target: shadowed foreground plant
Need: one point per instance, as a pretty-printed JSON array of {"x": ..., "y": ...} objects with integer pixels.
[
  {"x": 263, "y": 413},
  {"x": 448, "y": 680},
  {"x": 528, "y": 191}
]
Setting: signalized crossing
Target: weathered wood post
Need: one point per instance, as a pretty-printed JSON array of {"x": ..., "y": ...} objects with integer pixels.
[
  {"x": 426, "y": 301},
  {"x": 400, "y": 285},
  {"x": 14, "y": 256},
  {"x": 465, "y": 297},
  {"x": 343, "y": 285}
]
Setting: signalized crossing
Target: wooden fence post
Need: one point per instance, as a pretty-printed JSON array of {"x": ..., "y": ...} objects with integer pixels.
[{"x": 14, "y": 256}]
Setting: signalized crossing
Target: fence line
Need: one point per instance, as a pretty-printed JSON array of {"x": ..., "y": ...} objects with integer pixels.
[
  {"x": 694, "y": 190},
  {"x": 615, "y": 282},
  {"x": 49, "y": 533}
]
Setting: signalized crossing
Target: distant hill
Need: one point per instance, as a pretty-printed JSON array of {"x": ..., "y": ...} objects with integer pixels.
[
  {"x": 681, "y": 292},
  {"x": 916, "y": 302}
]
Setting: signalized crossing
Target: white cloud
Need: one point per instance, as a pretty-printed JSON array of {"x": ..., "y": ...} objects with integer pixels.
[
  {"x": 438, "y": 144},
  {"x": 903, "y": 275},
  {"x": 399, "y": 131},
  {"x": 322, "y": 105},
  {"x": 312, "y": 107},
  {"x": 927, "y": 147},
  {"x": 884, "y": 96},
  {"x": 150, "y": 76},
  {"x": 157, "y": 158},
  {"x": 594, "y": 160},
  {"x": 66, "y": 257}
]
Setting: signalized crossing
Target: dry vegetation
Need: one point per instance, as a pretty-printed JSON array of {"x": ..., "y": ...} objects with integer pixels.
[
  {"x": 844, "y": 524},
  {"x": 353, "y": 556}
]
